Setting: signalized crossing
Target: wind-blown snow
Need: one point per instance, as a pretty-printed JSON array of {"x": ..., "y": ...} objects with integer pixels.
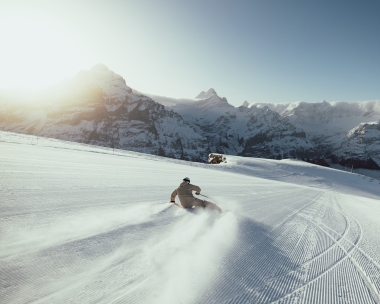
[
  {"x": 169, "y": 101},
  {"x": 85, "y": 224}
]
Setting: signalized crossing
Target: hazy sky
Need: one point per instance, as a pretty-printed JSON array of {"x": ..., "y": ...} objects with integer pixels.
[{"x": 259, "y": 51}]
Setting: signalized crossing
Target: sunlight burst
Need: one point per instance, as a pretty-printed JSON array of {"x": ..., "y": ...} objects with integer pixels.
[{"x": 36, "y": 50}]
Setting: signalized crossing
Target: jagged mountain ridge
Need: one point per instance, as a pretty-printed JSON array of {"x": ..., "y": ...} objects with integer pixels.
[
  {"x": 203, "y": 94},
  {"x": 330, "y": 126},
  {"x": 315, "y": 132},
  {"x": 242, "y": 131},
  {"x": 97, "y": 107}
]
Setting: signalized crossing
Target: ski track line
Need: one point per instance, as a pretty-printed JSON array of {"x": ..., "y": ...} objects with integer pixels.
[
  {"x": 306, "y": 227},
  {"x": 268, "y": 206},
  {"x": 300, "y": 238},
  {"x": 269, "y": 213},
  {"x": 296, "y": 212},
  {"x": 311, "y": 281},
  {"x": 263, "y": 295},
  {"x": 370, "y": 259},
  {"x": 363, "y": 276},
  {"x": 278, "y": 286},
  {"x": 297, "y": 256},
  {"x": 358, "y": 248},
  {"x": 275, "y": 228},
  {"x": 334, "y": 245},
  {"x": 348, "y": 254},
  {"x": 255, "y": 271}
]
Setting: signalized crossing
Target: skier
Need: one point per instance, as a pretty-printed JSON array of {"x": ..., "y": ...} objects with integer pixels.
[{"x": 185, "y": 195}]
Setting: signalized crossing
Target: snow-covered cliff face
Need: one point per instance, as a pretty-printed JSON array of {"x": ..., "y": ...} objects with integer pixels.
[
  {"x": 361, "y": 145},
  {"x": 258, "y": 132},
  {"x": 340, "y": 131},
  {"x": 315, "y": 132},
  {"x": 97, "y": 107}
]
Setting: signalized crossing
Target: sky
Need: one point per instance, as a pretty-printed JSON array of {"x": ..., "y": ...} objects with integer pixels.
[{"x": 260, "y": 51}]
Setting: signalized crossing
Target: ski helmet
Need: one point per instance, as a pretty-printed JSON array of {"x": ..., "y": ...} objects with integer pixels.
[{"x": 186, "y": 179}]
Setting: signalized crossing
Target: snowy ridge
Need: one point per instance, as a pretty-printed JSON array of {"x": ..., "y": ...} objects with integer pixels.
[
  {"x": 330, "y": 110},
  {"x": 78, "y": 225}
]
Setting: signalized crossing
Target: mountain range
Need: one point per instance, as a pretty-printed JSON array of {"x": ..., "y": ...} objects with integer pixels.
[{"x": 98, "y": 107}]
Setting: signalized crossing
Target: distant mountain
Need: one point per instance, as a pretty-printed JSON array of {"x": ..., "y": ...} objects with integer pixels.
[
  {"x": 314, "y": 132},
  {"x": 338, "y": 130},
  {"x": 244, "y": 131},
  {"x": 98, "y": 107}
]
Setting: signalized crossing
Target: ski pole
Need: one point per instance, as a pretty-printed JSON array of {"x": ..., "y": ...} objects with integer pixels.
[{"x": 204, "y": 195}]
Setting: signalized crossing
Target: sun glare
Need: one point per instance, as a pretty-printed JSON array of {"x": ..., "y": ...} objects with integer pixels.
[{"x": 35, "y": 51}]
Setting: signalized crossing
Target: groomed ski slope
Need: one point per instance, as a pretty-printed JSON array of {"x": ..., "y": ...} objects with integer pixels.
[{"x": 82, "y": 224}]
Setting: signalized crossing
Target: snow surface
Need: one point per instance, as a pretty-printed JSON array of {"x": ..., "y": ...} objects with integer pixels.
[{"x": 85, "y": 224}]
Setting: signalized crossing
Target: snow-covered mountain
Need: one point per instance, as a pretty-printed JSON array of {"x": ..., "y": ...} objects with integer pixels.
[
  {"x": 334, "y": 129},
  {"x": 258, "y": 132},
  {"x": 97, "y": 107},
  {"x": 203, "y": 94},
  {"x": 315, "y": 132},
  {"x": 363, "y": 140}
]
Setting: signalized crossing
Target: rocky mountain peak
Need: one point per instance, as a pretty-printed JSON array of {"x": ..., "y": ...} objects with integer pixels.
[
  {"x": 203, "y": 94},
  {"x": 245, "y": 104}
]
